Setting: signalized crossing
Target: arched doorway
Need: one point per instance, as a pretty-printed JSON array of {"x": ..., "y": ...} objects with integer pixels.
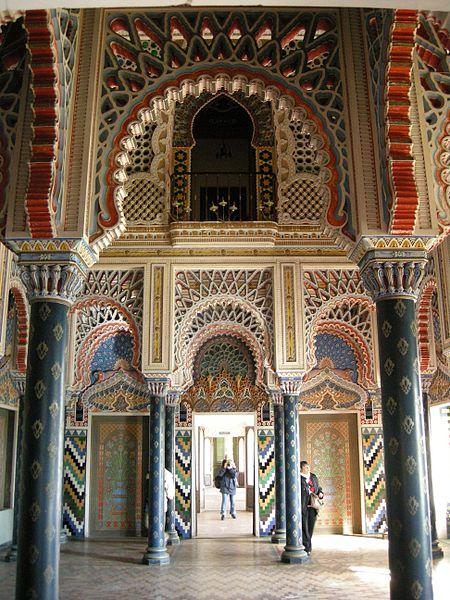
[
  {"x": 224, "y": 399},
  {"x": 223, "y": 183}
]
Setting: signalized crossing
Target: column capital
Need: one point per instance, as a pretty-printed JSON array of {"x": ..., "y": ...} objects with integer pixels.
[
  {"x": 52, "y": 281},
  {"x": 18, "y": 380},
  {"x": 391, "y": 267},
  {"x": 290, "y": 384},
  {"x": 173, "y": 397},
  {"x": 158, "y": 386},
  {"x": 277, "y": 396}
]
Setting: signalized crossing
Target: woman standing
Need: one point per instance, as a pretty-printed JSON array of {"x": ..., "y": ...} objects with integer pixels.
[{"x": 228, "y": 480}]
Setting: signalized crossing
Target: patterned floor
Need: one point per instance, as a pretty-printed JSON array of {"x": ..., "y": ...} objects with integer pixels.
[{"x": 342, "y": 567}]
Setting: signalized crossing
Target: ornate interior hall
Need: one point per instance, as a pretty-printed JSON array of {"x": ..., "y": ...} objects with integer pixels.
[{"x": 224, "y": 234}]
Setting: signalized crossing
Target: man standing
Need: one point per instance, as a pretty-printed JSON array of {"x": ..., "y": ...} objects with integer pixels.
[{"x": 309, "y": 485}]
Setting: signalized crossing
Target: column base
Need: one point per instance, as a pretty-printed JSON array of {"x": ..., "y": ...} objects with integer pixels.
[
  {"x": 436, "y": 550},
  {"x": 279, "y": 537},
  {"x": 293, "y": 555},
  {"x": 11, "y": 555},
  {"x": 172, "y": 538},
  {"x": 156, "y": 556}
]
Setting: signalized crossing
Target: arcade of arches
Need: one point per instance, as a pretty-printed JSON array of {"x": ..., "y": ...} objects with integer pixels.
[{"x": 209, "y": 212}]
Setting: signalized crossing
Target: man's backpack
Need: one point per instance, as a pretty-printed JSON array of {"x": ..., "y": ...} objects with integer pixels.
[{"x": 217, "y": 481}]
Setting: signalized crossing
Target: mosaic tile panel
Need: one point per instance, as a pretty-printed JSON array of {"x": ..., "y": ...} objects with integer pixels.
[
  {"x": 374, "y": 482},
  {"x": 118, "y": 477},
  {"x": 183, "y": 479},
  {"x": 266, "y": 477},
  {"x": 75, "y": 446},
  {"x": 328, "y": 449}
]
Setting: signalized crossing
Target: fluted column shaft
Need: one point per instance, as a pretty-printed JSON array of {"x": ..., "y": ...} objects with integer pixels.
[
  {"x": 393, "y": 279},
  {"x": 294, "y": 551},
  {"x": 279, "y": 536},
  {"x": 156, "y": 553},
  {"x": 171, "y": 407}
]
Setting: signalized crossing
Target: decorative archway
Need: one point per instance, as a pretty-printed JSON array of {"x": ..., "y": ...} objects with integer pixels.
[
  {"x": 348, "y": 318},
  {"x": 224, "y": 376},
  {"x": 103, "y": 318},
  {"x": 111, "y": 220},
  {"x": 222, "y": 315}
]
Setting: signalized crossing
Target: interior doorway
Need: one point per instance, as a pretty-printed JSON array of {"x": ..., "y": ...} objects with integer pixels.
[
  {"x": 329, "y": 442},
  {"x": 218, "y": 436}
]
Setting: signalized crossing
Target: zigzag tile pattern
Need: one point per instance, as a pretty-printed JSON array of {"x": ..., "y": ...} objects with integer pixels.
[
  {"x": 374, "y": 482},
  {"x": 183, "y": 479},
  {"x": 266, "y": 475},
  {"x": 75, "y": 446}
]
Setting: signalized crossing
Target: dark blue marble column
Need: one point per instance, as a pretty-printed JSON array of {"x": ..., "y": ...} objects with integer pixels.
[
  {"x": 51, "y": 288},
  {"x": 171, "y": 407},
  {"x": 19, "y": 383},
  {"x": 393, "y": 280},
  {"x": 294, "y": 551},
  {"x": 156, "y": 553},
  {"x": 279, "y": 536}
]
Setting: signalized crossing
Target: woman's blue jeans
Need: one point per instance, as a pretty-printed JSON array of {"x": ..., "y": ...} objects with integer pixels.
[{"x": 224, "y": 502}]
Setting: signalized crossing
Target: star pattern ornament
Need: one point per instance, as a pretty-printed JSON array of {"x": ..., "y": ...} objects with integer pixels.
[
  {"x": 389, "y": 366},
  {"x": 386, "y": 328},
  {"x": 42, "y": 350},
  {"x": 405, "y": 384},
  {"x": 402, "y": 346},
  {"x": 412, "y": 505},
  {"x": 44, "y": 311},
  {"x": 391, "y": 405},
  {"x": 37, "y": 429},
  {"x": 414, "y": 547},
  {"x": 400, "y": 308},
  {"x": 416, "y": 590},
  {"x": 39, "y": 389}
]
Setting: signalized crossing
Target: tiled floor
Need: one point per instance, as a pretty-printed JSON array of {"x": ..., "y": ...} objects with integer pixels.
[{"x": 342, "y": 567}]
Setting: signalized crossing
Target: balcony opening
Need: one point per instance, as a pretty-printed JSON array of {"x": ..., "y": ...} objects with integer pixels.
[{"x": 223, "y": 174}]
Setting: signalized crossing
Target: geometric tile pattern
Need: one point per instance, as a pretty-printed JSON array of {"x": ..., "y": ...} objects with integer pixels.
[
  {"x": 374, "y": 482},
  {"x": 266, "y": 475},
  {"x": 183, "y": 479},
  {"x": 75, "y": 446}
]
